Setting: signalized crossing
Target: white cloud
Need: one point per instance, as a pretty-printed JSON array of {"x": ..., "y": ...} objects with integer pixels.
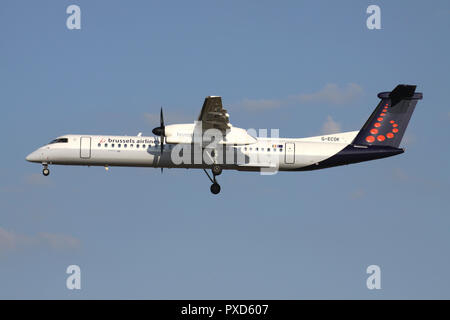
[
  {"x": 330, "y": 126},
  {"x": 152, "y": 118},
  {"x": 408, "y": 139},
  {"x": 169, "y": 117},
  {"x": 331, "y": 93},
  {"x": 357, "y": 194},
  {"x": 261, "y": 104},
  {"x": 11, "y": 189},
  {"x": 400, "y": 174},
  {"x": 29, "y": 180},
  {"x": 59, "y": 241},
  {"x": 37, "y": 179},
  {"x": 10, "y": 241}
]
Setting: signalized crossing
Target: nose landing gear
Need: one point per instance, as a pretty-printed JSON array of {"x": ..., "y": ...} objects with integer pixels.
[
  {"x": 215, "y": 187},
  {"x": 46, "y": 170}
]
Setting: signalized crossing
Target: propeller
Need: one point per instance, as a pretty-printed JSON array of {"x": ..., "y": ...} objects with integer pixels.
[{"x": 160, "y": 131}]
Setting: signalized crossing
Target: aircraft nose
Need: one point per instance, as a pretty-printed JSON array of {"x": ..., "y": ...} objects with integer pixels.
[{"x": 33, "y": 157}]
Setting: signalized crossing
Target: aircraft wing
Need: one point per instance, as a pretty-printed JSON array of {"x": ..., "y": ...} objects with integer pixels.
[{"x": 213, "y": 115}]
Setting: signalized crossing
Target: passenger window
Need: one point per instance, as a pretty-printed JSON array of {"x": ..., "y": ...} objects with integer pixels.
[
  {"x": 137, "y": 146},
  {"x": 143, "y": 146},
  {"x": 119, "y": 145},
  {"x": 99, "y": 145},
  {"x": 106, "y": 145},
  {"x": 131, "y": 145},
  {"x": 125, "y": 145}
]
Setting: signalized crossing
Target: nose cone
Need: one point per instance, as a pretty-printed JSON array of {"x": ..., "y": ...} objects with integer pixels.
[
  {"x": 158, "y": 131},
  {"x": 33, "y": 157}
]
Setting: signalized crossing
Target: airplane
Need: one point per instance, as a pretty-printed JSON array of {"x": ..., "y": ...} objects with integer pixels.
[{"x": 212, "y": 143}]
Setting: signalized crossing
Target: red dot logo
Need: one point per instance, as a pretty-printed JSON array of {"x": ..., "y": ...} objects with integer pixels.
[
  {"x": 381, "y": 137},
  {"x": 390, "y": 135},
  {"x": 395, "y": 130},
  {"x": 392, "y": 121},
  {"x": 370, "y": 139},
  {"x": 382, "y": 114},
  {"x": 377, "y": 125},
  {"x": 374, "y": 131},
  {"x": 380, "y": 119}
]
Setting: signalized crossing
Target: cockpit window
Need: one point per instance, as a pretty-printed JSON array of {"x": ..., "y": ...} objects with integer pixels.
[{"x": 59, "y": 140}]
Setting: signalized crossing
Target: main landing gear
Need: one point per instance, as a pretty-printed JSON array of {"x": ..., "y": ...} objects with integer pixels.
[
  {"x": 216, "y": 171},
  {"x": 46, "y": 170}
]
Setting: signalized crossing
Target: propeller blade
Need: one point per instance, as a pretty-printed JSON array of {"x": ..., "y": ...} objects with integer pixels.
[
  {"x": 160, "y": 131},
  {"x": 161, "y": 119}
]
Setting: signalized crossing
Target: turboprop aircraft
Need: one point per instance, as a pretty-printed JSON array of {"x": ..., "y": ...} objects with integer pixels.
[{"x": 213, "y": 143}]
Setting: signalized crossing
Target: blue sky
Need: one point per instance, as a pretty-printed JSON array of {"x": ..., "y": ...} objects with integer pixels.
[{"x": 300, "y": 66}]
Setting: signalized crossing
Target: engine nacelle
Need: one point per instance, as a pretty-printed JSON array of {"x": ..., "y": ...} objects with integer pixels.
[
  {"x": 194, "y": 133},
  {"x": 179, "y": 133}
]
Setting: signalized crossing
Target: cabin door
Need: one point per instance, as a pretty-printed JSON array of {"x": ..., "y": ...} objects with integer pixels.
[
  {"x": 85, "y": 147},
  {"x": 289, "y": 157}
]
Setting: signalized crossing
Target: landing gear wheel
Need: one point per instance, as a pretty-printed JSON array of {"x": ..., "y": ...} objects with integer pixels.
[
  {"x": 46, "y": 172},
  {"x": 215, "y": 188},
  {"x": 216, "y": 170}
]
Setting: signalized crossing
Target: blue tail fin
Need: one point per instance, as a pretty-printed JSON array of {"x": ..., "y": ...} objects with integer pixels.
[{"x": 387, "y": 124}]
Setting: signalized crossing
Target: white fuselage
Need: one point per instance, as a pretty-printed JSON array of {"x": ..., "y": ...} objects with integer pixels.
[{"x": 139, "y": 151}]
